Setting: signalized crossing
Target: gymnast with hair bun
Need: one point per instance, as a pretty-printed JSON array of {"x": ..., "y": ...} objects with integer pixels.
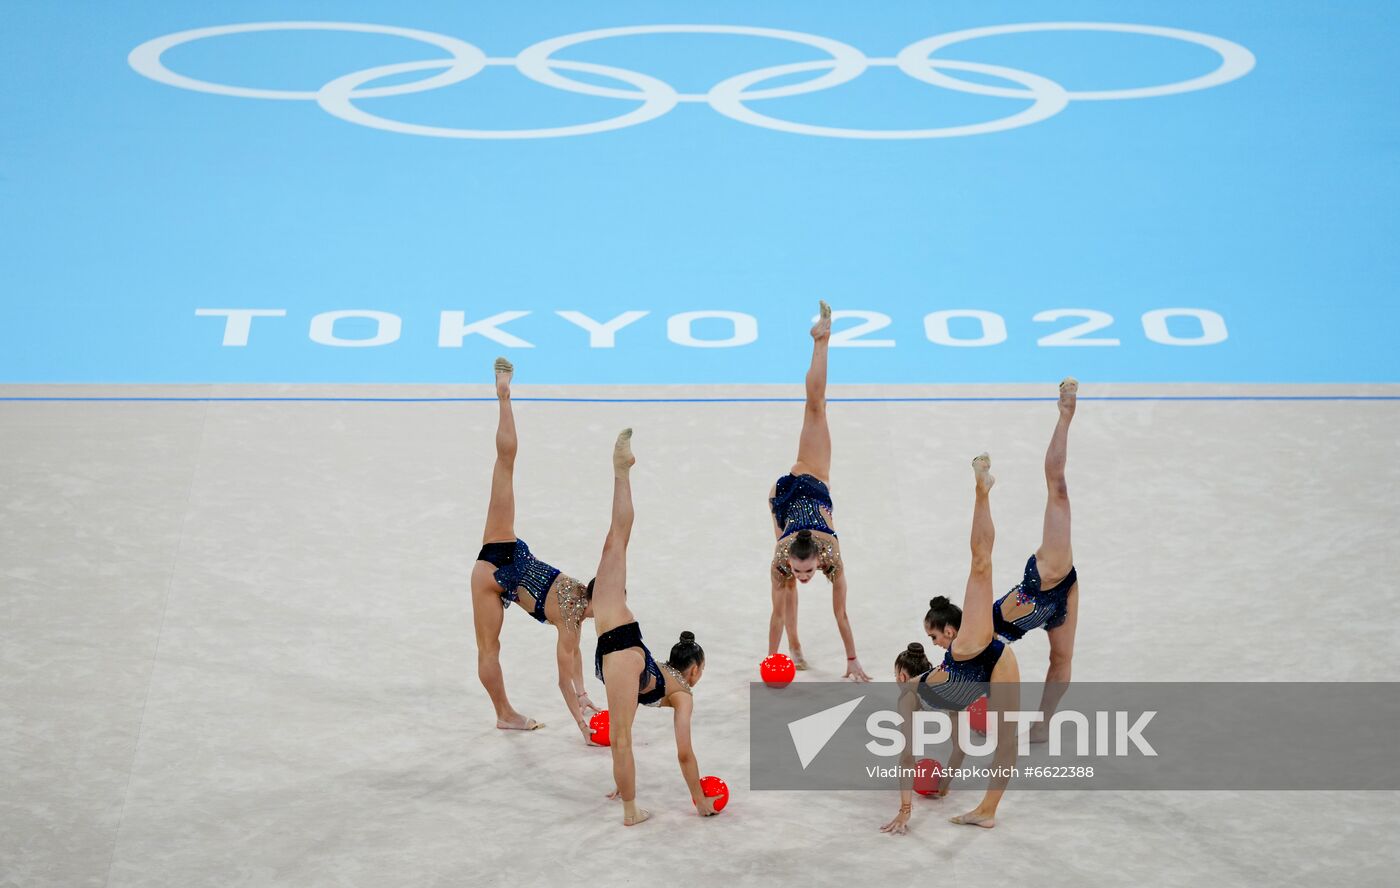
[
  {"x": 802, "y": 520},
  {"x": 628, "y": 670},
  {"x": 1048, "y": 595},
  {"x": 976, "y": 663}
]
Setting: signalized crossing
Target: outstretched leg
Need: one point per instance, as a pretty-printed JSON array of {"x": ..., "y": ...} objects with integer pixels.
[
  {"x": 1055, "y": 557},
  {"x": 500, "y": 512},
  {"x": 610, "y": 585},
  {"x": 976, "y": 629},
  {"x": 814, "y": 447},
  {"x": 487, "y": 615},
  {"x": 622, "y": 669}
]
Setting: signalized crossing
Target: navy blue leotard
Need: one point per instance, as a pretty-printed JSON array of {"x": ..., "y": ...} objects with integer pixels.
[
  {"x": 967, "y": 679},
  {"x": 517, "y": 569},
  {"x": 1051, "y": 606},
  {"x": 797, "y": 504}
]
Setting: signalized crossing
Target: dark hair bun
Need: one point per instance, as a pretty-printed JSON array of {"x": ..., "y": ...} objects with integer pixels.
[
  {"x": 804, "y": 534},
  {"x": 938, "y": 601},
  {"x": 686, "y": 653},
  {"x": 915, "y": 649}
]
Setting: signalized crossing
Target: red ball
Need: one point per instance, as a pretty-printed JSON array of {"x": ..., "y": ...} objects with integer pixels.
[
  {"x": 926, "y": 775},
  {"x": 777, "y": 670},
  {"x": 977, "y": 715},
  {"x": 717, "y": 789},
  {"x": 598, "y": 724}
]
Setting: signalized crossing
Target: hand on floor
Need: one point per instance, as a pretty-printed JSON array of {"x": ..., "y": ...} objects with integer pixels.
[
  {"x": 854, "y": 672},
  {"x": 899, "y": 825}
]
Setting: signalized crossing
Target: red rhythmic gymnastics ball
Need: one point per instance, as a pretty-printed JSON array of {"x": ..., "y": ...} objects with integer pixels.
[
  {"x": 977, "y": 715},
  {"x": 777, "y": 670},
  {"x": 717, "y": 789},
  {"x": 598, "y": 724},
  {"x": 926, "y": 775}
]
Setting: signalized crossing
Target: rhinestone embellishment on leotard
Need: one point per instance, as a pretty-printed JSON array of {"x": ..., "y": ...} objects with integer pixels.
[
  {"x": 572, "y": 603},
  {"x": 828, "y": 557},
  {"x": 675, "y": 673}
]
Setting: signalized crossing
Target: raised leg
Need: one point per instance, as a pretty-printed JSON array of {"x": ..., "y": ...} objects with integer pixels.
[
  {"x": 978, "y": 600},
  {"x": 814, "y": 446},
  {"x": 610, "y": 586},
  {"x": 1054, "y": 558},
  {"x": 500, "y": 512}
]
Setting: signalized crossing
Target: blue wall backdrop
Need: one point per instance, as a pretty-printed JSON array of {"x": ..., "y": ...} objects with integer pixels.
[{"x": 1240, "y": 232}]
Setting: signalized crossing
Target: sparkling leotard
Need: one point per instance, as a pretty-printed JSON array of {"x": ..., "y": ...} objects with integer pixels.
[
  {"x": 828, "y": 557},
  {"x": 967, "y": 679},
  {"x": 517, "y": 568},
  {"x": 1050, "y": 605},
  {"x": 797, "y": 504}
]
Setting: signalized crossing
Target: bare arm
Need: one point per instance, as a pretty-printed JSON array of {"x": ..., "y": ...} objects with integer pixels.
[
  {"x": 571, "y": 679},
  {"x": 685, "y": 754},
  {"x": 586, "y": 706},
  {"x": 908, "y": 702},
  {"x": 843, "y": 624}
]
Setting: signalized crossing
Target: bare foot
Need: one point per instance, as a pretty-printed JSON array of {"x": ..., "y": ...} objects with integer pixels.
[
  {"x": 623, "y": 460},
  {"x": 821, "y": 330},
  {"x": 982, "y": 470},
  {"x": 504, "y": 371},
  {"x": 975, "y": 817},
  {"x": 518, "y": 722},
  {"x": 1069, "y": 392},
  {"x": 798, "y": 661}
]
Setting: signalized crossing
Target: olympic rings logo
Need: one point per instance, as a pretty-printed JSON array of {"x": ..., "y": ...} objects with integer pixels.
[{"x": 732, "y": 97}]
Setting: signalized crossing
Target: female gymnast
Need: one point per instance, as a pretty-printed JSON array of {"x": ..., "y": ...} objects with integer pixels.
[
  {"x": 976, "y": 663},
  {"x": 627, "y": 668},
  {"x": 802, "y": 522},
  {"x": 506, "y": 572},
  {"x": 1048, "y": 594}
]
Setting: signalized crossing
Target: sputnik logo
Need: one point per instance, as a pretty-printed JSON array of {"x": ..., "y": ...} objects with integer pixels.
[{"x": 811, "y": 733}]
